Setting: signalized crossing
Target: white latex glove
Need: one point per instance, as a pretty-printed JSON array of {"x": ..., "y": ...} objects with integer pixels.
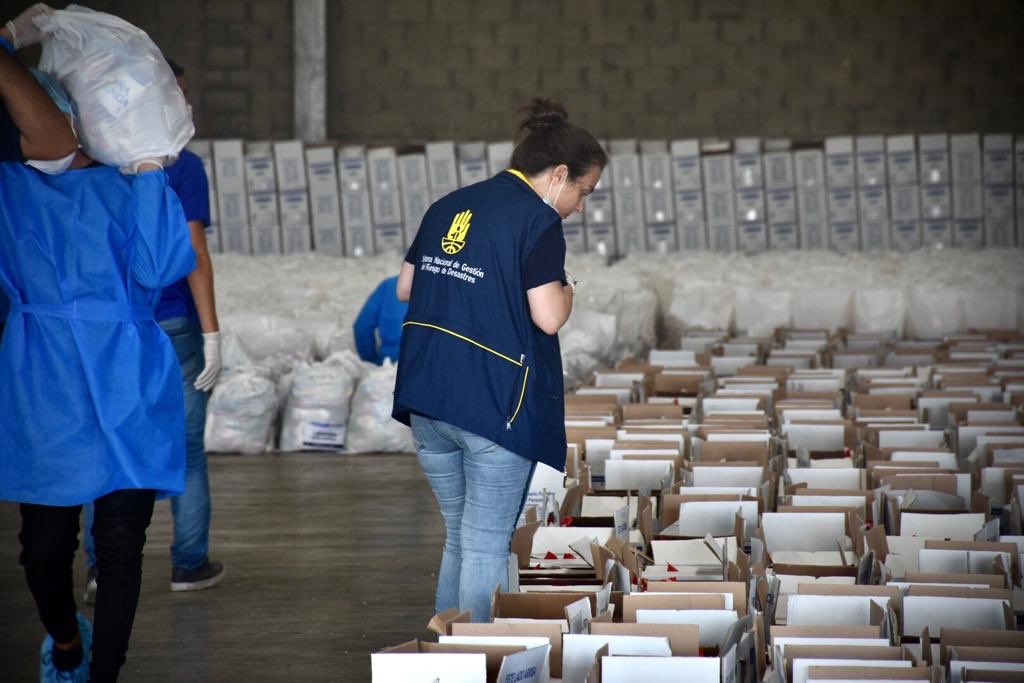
[
  {"x": 24, "y": 31},
  {"x": 135, "y": 167},
  {"x": 211, "y": 351}
]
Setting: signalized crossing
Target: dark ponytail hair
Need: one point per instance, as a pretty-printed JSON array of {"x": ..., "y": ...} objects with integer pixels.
[{"x": 546, "y": 138}]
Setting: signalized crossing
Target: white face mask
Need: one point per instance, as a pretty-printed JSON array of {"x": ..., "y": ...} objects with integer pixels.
[
  {"x": 53, "y": 166},
  {"x": 552, "y": 202}
]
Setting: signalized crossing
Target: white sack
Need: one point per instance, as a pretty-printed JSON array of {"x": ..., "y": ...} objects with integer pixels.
[
  {"x": 880, "y": 310},
  {"x": 371, "y": 427},
  {"x": 759, "y": 311},
  {"x": 241, "y": 414},
  {"x": 317, "y": 410},
  {"x": 933, "y": 312}
]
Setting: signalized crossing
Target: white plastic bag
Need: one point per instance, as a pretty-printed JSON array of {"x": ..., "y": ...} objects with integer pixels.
[
  {"x": 129, "y": 104},
  {"x": 316, "y": 414},
  {"x": 242, "y": 411},
  {"x": 371, "y": 427}
]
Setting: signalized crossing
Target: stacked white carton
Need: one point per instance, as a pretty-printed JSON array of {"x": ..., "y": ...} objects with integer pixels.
[
  {"x": 904, "y": 192},
  {"x": 997, "y": 170},
  {"x": 628, "y": 197},
  {"x": 472, "y": 163},
  {"x": 385, "y": 199},
  {"x": 325, "y": 206},
  {"x": 355, "y": 201},
  {"x": 689, "y": 195},
  {"x": 659, "y": 209},
  {"x": 780, "y": 181},
  {"x": 296, "y": 237},
  {"x": 264, "y": 218},
  {"x": 718, "y": 202},
  {"x": 841, "y": 177},
  {"x": 232, "y": 202},
  {"x": 965, "y": 159},
  {"x": 412, "y": 174},
  {"x": 936, "y": 202},
  {"x": 872, "y": 197},
  {"x": 812, "y": 205},
  {"x": 748, "y": 176},
  {"x": 599, "y": 217},
  {"x": 441, "y": 169},
  {"x": 499, "y": 154},
  {"x": 204, "y": 150}
]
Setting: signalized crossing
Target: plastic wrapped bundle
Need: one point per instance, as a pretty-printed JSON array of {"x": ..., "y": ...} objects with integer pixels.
[
  {"x": 587, "y": 341},
  {"x": 255, "y": 338},
  {"x": 371, "y": 428},
  {"x": 129, "y": 104},
  {"x": 316, "y": 414},
  {"x": 242, "y": 412}
]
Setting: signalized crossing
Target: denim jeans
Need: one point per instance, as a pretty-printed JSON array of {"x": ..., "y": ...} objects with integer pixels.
[
  {"x": 481, "y": 489},
  {"x": 191, "y": 509},
  {"x": 49, "y": 537}
]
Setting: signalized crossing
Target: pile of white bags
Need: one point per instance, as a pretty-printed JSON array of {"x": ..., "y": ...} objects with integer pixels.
[
  {"x": 129, "y": 105},
  {"x": 316, "y": 413},
  {"x": 242, "y": 412},
  {"x": 370, "y": 426}
]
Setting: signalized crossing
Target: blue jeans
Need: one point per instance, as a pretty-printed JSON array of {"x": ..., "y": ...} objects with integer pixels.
[
  {"x": 191, "y": 510},
  {"x": 481, "y": 489}
]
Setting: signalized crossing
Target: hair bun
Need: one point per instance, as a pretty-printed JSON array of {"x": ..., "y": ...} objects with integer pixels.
[{"x": 544, "y": 114}]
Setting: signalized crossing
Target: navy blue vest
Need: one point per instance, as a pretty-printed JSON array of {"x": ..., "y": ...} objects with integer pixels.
[{"x": 471, "y": 355}]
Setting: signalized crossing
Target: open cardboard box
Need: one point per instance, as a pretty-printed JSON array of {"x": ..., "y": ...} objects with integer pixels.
[
  {"x": 735, "y": 451},
  {"x": 963, "y": 637},
  {"x": 652, "y": 411},
  {"x": 845, "y": 652},
  {"x": 544, "y": 629},
  {"x": 846, "y": 674},
  {"x": 421, "y": 662}
]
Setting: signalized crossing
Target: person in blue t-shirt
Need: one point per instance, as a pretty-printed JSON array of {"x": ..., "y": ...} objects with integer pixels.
[
  {"x": 378, "y": 327},
  {"x": 188, "y": 314},
  {"x": 480, "y": 378}
]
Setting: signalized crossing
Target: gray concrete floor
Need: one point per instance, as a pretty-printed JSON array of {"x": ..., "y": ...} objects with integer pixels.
[{"x": 328, "y": 557}]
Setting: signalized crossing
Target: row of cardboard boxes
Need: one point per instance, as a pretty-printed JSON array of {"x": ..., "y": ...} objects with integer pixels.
[
  {"x": 869, "y": 192},
  {"x": 767, "y": 523}
]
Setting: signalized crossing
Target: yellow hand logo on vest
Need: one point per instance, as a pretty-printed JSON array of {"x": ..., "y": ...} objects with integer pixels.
[{"x": 455, "y": 240}]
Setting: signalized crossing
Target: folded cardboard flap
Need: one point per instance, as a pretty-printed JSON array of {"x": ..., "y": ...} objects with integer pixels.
[
  {"x": 551, "y": 631},
  {"x": 827, "y": 631},
  {"x": 670, "y": 503},
  {"x": 865, "y": 673},
  {"x": 649, "y": 411},
  {"x": 990, "y": 676},
  {"x": 945, "y": 483},
  {"x": 737, "y": 588},
  {"x": 958, "y": 410},
  {"x": 735, "y": 451},
  {"x": 882, "y": 402},
  {"x": 984, "y": 653},
  {"x": 966, "y": 637},
  {"x": 522, "y": 543},
  {"x": 853, "y": 652},
  {"x": 989, "y": 546},
  {"x": 683, "y": 639},
  {"x": 666, "y": 384},
  {"x": 991, "y": 580},
  {"x": 443, "y": 622},
  {"x": 681, "y": 601},
  {"x": 536, "y": 605}
]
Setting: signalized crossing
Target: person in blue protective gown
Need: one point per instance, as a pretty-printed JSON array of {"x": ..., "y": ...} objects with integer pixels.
[
  {"x": 93, "y": 407},
  {"x": 378, "y": 327}
]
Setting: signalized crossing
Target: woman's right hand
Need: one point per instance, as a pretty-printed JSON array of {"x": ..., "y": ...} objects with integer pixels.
[{"x": 22, "y": 30}]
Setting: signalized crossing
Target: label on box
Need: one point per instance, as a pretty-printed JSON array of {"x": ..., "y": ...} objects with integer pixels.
[
  {"x": 692, "y": 236},
  {"x": 291, "y": 165},
  {"x": 658, "y": 207},
  {"x": 998, "y": 166},
  {"x": 388, "y": 239},
  {"x": 937, "y": 233},
  {"x": 686, "y": 173},
  {"x": 968, "y": 234},
  {"x": 620, "y": 518},
  {"x": 875, "y": 236},
  {"x": 259, "y": 173},
  {"x": 782, "y": 236},
  {"x": 233, "y": 207},
  {"x": 905, "y": 202},
  {"x": 778, "y": 171},
  {"x": 472, "y": 171},
  {"x": 903, "y": 168},
  {"x": 871, "y": 168},
  {"x": 839, "y": 170},
  {"x": 601, "y": 239},
  {"x": 844, "y": 237},
  {"x": 750, "y": 206},
  {"x": 294, "y": 207},
  {"x": 813, "y": 235},
  {"x": 689, "y": 206},
  {"x": 967, "y": 201},
  {"x": 316, "y": 434},
  {"x": 906, "y": 235},
  {"x": 999, "y": 203},
  {"x": 873, "y": 205},
  {"x": 781, "y": 206},
  {"x": 842, "y": 206},
  {"x": 661, "y": 238},
  {"x": 999, "y": 233},
  {"x": 722, "y": 236},
  {"x": 747, "y": 171},
  {"x": 717, "y": 173},
  {"x": 753, "y": 237},
  {"x": 352, "y": 174},
  {"x": 934, "y": 167},
  {"x": 810, "y": 168},
  {"x": 812, "y": 205},
  {"x": 936, "y": 202},
  {"x": 263, "y": 208}
]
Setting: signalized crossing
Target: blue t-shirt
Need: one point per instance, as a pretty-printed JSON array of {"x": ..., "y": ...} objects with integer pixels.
[{"x": 188, "y": 180}]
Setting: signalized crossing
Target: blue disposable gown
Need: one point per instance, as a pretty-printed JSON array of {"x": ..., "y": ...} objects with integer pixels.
[
  {"x": 92, "y": 399},
  {"x": 383, "y": 315}
]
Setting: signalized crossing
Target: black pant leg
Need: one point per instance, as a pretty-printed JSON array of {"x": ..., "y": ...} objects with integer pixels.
[
  {"x": 49, "y": 538},
  {"x": 119, "y": 531}
]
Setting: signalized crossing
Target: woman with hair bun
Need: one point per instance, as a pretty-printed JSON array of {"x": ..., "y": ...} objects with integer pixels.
[{"x": 480, "y": 373}]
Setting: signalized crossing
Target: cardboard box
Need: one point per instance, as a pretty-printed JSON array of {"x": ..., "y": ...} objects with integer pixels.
[
  {"x": 204, "y": 150},
  {"x": 499, "y": 156},
  {"x": 296, "y": 235},
  {"x": 871, "y": 161},
  {"x": 844, "y": 237},
  {"x": 814, "y": 235},
  {"x": 842, "y": 205},
  {"x": 905, "y": 203},
  {"x": 998, "y": 203},
  {"x": 783, "y": 236},
  {"x": 260, "y": 173},
  {"x": 968, "y": 202},
  {"x": 414, "y": 207},
  {"x": 810, "y": 169},
  {"x": 290, "y": 162},
  {"x": 690, "y": 219},
  {"x": 873, "y": 205},
  {"x": 325, "y": 206},
  {"x": 812, "y": 206},
  {"x": 782, "y": 206},
  {"x": 934, "y": 233},
  {"x": 423, "y": 662},
  {"x": 999, "y": 233},
  {"x": 905, "y": 235},
  {"x": 968, "y": 234},
  {"x": 746, "y": 164},
  {"x": 997, "y": 159},
  {"x": 661, "y": 238},
  {"x": 550, "y": 630},
  {"x": 686, "y": 166},
  {"x": 717, "y": 174},
  {"x": 629, "y": 225},
  {"x": 750, "y": 205},
  {"x": 933, "y": 151},
  {"x": 901, "y": 159},
  {"x": 840, "y": 171},
  {"x": 442, "y": 172},
  {"x": 779, "y": 173},
  {"x": 936, "y": 202},
  {"x": 722, "y": 237},
  {"x": 264, "y": 213},
  {"x": 575, "y": 235},
  {"x": 753, "y": 237},
  {"x": 965, "y": 157},
  {"x": 875, "y": 236},
  {"x": 472, "y": 162}
]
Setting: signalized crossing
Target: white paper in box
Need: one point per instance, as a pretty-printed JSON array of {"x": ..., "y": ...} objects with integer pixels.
[
  {"x": 578, "y": 651},
  {"x": 831, "y": 610},
  {"x": 290, "y": 160},
  {"x": 713, "y": 624},
  {"x": 936, "y": 612},
  {"x": 954, "y": 527},
  {"x": 660, "y": 669},
  {"x": 801, "y": 666},
  {"x": 717, "y": 518},
  {"x": 839, "y": 165},
  {"x": 804, "y": 531},
  {"x": 428, "y": 668},
  {"x": 871, "y": 161}
]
